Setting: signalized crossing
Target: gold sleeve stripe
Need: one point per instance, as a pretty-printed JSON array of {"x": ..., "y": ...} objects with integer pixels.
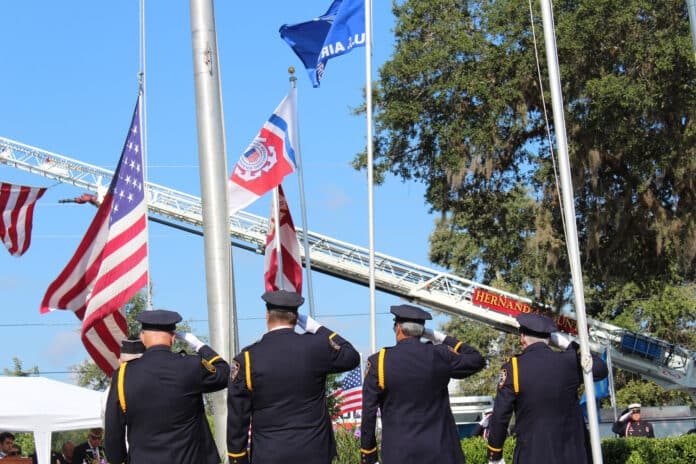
[
  {"x": 247, "y": 370},
  {"x": 494, "y": 449},
  {"x": 215, "y": 359},
  {"x": 332, "y": 335},
  {"x": 456, "y": 347},
  {"x": 362, "y": 450},
  {"x": 515, "y": 377},
  {"x": 380, "y": 368},
  {"x": 121, "y": 391},
  {"x": 236, "y": 455}
]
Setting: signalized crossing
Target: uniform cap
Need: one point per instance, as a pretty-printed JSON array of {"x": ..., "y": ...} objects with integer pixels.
[
  {"x": 536, "y": 325},
  {"x": 282, "y": 300},
  {"x": 132, "y": 345},
  {"x": 634, "y": 406},
  {"x": 159, "y": 320},
  {"x": 408, "y": 313}
]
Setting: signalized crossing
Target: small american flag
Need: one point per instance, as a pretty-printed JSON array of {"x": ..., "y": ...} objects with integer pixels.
[
  {"x": 110, "y": 264},
  {"x": 349, "y": 397},
  {"x": 16, "y": 216}
]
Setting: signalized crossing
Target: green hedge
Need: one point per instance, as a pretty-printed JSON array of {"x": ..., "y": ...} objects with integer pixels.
[{"x": 673, "y": 450}]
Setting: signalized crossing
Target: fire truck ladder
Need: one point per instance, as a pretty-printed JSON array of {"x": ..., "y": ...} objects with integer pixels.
[{"x": 667, "y": 364}]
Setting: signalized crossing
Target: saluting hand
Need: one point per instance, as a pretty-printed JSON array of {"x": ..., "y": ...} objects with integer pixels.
[
  {"x": 190, "y": 339},
  {"x": 434, "y": 336},
  {"x": 560, "y": 340},
  {"x": 307, "y": 323}
]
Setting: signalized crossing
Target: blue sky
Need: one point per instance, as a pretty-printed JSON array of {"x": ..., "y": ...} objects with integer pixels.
[{"x": 69, "y": 85}]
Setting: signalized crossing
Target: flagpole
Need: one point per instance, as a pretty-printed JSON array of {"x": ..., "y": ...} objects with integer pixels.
[
  {"x": 143, "y": 135},
  {"x": 612, "y": 391},
  {"x": 280, "y": 274},
  {"x": 370, "y": 174},
  {"x": 212, "y": 154},
  {"x": 303, "y": 205},
  {"x": 572, "y": 233}
]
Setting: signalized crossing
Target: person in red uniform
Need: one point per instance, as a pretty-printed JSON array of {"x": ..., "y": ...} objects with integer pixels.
[{"x": 630, "y": 425}]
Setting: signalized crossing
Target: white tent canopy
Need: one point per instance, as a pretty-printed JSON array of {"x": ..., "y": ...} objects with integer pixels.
[{"x": 42, "y": 406}]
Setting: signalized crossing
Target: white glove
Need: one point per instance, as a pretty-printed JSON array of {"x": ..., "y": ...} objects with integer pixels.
[
  {"x": 434, "y": 336},
  {"x": 499, "y": 461},
  {"x": 560, "y": 340},
  {"x": 307, "y": 323},
  {"x": 625, "y": 417},
  {"x": 484, "y": 422},
  {"x": 190, "y": 339}
]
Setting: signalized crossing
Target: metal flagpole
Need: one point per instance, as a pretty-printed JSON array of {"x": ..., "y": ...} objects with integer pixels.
[
  {"x": 612, "y": 391},
  {"x": 212, "y": 154},
  {"x": 303, "y": 205},
  {"x": 691, "y": 5},
  {"x": 370, "y": 173},
  {"x": 572, "y": 233}
]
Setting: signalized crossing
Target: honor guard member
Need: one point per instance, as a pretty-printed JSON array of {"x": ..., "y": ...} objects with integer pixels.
[
  {"x": 156, "y": 401},
  {"x": 408, "y": 383},
  {"x": 279, "y": 385},
  {"x": 630, "y": 425},
  {"x": 540, "y": 386}
]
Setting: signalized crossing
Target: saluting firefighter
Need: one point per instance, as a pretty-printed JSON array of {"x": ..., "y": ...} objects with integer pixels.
[
  {"x": 630, "y": 425},
  {"x": 540, "y": 386},
  {"x": 156, "y": 401},
  {"x": 408, "y": 383},
  {"x": 278, "y": 385}
]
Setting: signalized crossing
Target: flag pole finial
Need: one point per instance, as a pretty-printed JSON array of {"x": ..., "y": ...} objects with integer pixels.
[{"x": 292, "y": 78}]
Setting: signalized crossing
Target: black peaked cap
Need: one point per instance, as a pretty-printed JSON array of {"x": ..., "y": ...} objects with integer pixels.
[
  {"x": 536, "y": 325},
  {"x": 282, "y": 300},
  {"x": 408, "y": 313},
  {"x": 160, "y": 320}
]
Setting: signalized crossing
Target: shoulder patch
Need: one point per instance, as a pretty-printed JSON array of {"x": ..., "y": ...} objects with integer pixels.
[
  {"x": 234, "y": 370},
  {"x": 502, "y": 378},
  {"x": 367, "y": 369},
  {"x": 208, "y": 366}
]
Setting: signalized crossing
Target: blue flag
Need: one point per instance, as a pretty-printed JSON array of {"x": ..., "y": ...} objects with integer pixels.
[
  {"x": 601, "y": 390},
  {"x": 336, "y": 32}
]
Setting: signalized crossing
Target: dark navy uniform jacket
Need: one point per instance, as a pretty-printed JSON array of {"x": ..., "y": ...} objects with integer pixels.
[
  {"x": 278, "y": 385},
  {"x": 633, "y": 429},
  {"x": 411, "y": 392},
  {"x": 543, "y": 393},
  {"x": 165, "y": 418}
]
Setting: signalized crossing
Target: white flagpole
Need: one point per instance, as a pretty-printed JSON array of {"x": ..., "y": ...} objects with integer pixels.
[
  {"x": 303, "y": 205},
  {"x": 572, "y": 233},
  {"x": 370, "y": 173},
  {"x": 143, "y": 137},
  {"x": 279, "y": 278}
]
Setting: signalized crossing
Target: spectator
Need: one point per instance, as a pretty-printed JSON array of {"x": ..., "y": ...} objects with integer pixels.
[
  {"x": 6, "y": 442},
  {"x": 66, "y": 454},
  {"x": 630, "y": 425},
  {"x": 91, "y": 451},
  {"x": 481, "y": 429}
]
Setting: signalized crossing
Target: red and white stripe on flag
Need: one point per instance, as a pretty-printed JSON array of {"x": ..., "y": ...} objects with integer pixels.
[
  {"x": 110, "y": 264},
  {"x": 349, "y": 397},
  {"x": 291, "y": 277},
  {"x": 16, "y": 216}
]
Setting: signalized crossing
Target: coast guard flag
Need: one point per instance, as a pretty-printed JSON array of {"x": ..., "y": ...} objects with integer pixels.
[
  {"x": 110, "y": 264},
  {"x": 349, "y": 397},
  {"x": 335, "y": 33},
  {"x": 16, "y": 216},
  {"x": 269, "y": 158},
  {"x": 291, "y": 276}
]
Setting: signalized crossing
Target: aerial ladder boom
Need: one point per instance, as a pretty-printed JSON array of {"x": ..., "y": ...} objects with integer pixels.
[{"x": 667, "y": 364}]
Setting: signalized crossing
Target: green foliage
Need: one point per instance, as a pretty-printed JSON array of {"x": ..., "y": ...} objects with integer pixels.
[
  {"x": 18, "y": 370},
  {"x": 333, "y": 384},
  {"x": 459, "y": 107},
  {"x": 347, "y": 447},
  {"x": 674, "y": 450},
  {"x": 476, "y": 450}
]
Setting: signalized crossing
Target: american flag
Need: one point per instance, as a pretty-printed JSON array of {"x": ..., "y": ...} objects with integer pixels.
[
  {"x": 110, "y": 264},
  {"x": 16, "y": 215},
  {"x": 349, "y": 396},
  {"x": 291, "y": 277}
]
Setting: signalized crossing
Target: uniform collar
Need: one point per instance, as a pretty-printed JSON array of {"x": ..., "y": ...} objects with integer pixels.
[
  {"x": 409, "y": 341},
  {"x": 537, "y": 347},
  {"x": 159, "y": 348},
  {"x": 279, "y": 331}
]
